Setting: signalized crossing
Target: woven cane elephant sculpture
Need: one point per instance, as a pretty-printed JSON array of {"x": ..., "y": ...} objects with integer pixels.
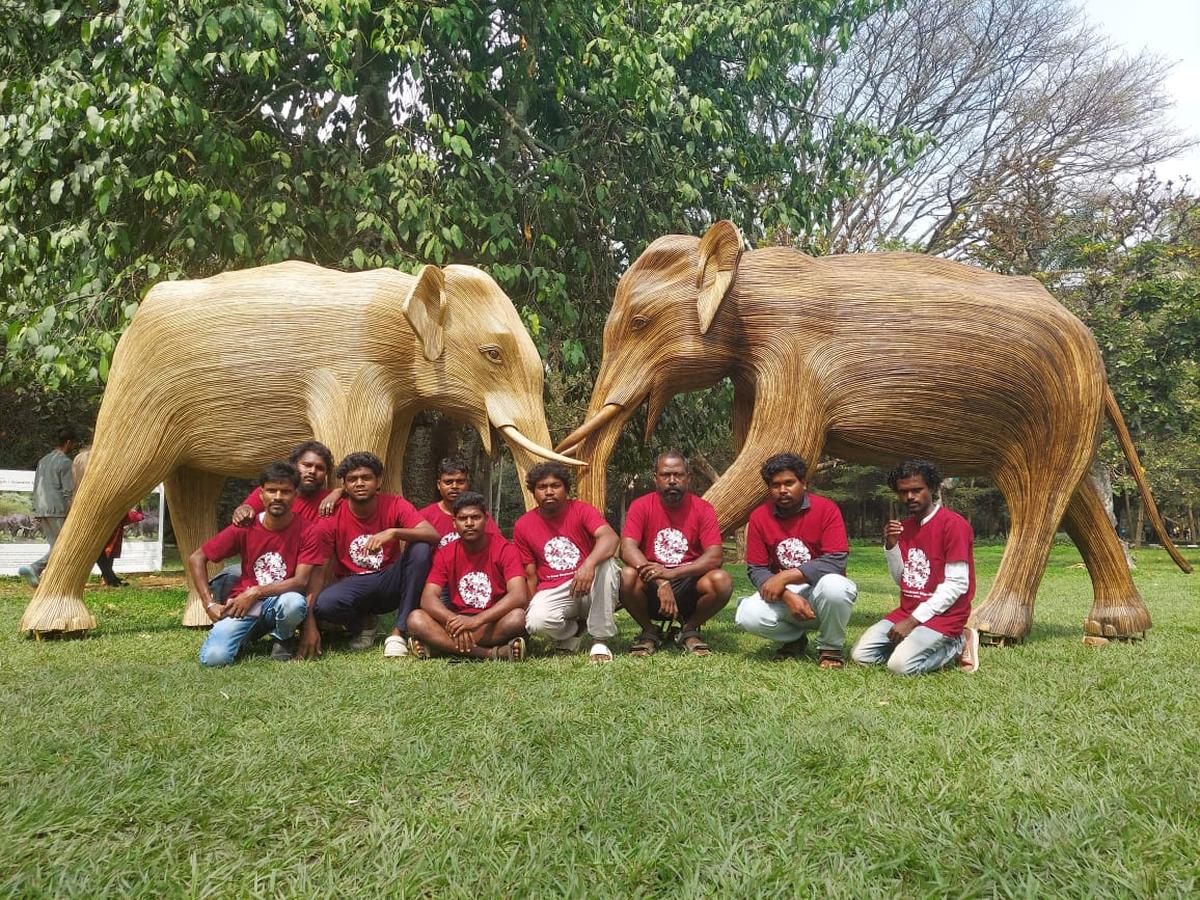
[
  {"x": 877, "y": 358},
  {"x": 217, "y": 377}
]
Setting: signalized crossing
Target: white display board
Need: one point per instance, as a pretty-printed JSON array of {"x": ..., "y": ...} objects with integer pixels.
[{"x": 21, "y": 540}]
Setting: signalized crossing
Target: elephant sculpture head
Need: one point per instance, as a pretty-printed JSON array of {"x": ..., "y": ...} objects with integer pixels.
[{"x": 666, "y": 334}]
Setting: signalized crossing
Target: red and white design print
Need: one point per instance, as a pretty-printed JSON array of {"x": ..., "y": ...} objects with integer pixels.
[
  {"x": 270, "y": 568},
  {"x": 670, "y": 545},
  {"x": 916, "y": 569},
  {"x": 475, "y": 588},
  {"x": 792, "y": 553},
  {"x": 362, "y": 558},
  {"x": 448, "y": 538},
  {"x": 561, "y": 554}
]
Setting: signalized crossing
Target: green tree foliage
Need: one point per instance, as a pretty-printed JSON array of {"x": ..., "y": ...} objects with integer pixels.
[{"x": 546, "y": 141}]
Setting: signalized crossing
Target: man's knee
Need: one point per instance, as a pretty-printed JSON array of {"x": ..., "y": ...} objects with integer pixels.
[
  {"x": 718, "y": 582},
  {"x": 542, "y": 615},
  {"x": 752, "y": 613},
  {"x": 629, "y": 579},
  {"x": 419, "y": 553},
  {"x": 292, "y": 606},
  {"x": 214, "y": 656},
  {"x": 419, "y": 622},
  {"x": 834, "y": 588}
]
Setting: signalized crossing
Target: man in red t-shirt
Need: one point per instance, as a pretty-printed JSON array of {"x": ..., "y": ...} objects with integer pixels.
[
  {"x": 567, "y": 549},
  {"x": 930, "y": 555},
  {"x": 474, "y": 602},
  {"x": 454, "y": 478},
  {"x": 314, "y": 462},
  {"x": 671, "y": 547},
  {"x": 280, "y": 564},
  {"x": 796, "y": 552},
  {"x": 363, "y": 538}
]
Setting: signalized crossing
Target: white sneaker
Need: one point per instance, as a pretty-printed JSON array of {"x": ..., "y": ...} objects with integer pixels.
[
  {"x": 394, "y": 646},
  {"x": 600, "y": 653},
  {"x": 365, "y": 639}
]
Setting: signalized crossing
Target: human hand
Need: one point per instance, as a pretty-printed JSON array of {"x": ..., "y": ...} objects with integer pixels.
[
  {"x": 376, "y": 541},
  {"x": 666, "y": 600},
  {"x": 902, "y": 629},
  {"x": 891, "y": 533},
  {"x": 651, "y": 571},
  {"x": 238, "y": 606},
  {"x": 798, "y": 606},
  {"x": 310, "y": 640},
  {"x": 215, "y": 611},
  {"x": 329, "y": 502},
  {"x": 243, "y": 515},
  {"x": 581, "y": 584}
]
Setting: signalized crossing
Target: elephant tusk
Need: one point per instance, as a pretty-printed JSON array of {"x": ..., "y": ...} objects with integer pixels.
[
  {"x": 514, "y": 434},
  {"x": 607, "y": 414}
]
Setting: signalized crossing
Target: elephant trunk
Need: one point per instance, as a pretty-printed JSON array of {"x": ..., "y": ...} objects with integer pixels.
[{"x": 528, "y": 439}]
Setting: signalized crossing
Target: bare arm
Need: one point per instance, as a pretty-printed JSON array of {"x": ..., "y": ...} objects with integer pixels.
[{"x": 198, "y": 567}]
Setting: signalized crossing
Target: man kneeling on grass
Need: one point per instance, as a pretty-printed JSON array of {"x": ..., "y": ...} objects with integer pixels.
[
  {"x": 930, "y": 555},
  {"x": 484, "y": 616},
  {"x": 567, "y": 549},
  {"x": 279, "y": 557},
  {"x": 796, "y": 551}
]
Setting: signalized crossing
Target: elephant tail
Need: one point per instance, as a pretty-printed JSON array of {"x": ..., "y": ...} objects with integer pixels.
[{"x": 1135, "y": 464}]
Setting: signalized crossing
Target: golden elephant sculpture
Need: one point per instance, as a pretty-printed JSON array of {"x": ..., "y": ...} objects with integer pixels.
[
  {"x": 219, "y": 376},
  {"x": 877, "y": 358}
]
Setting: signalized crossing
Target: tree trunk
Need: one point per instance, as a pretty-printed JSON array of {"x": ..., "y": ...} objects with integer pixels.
[{"x": 1141, "y": 523}]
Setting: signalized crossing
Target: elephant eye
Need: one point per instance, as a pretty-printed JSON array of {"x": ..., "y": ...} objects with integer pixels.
[
  {"x": 639, "y": 322},
  {"x": 491, "y": 351}
]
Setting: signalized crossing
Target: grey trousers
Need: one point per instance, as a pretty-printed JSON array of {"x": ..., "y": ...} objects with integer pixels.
[
  {"x": 553, "y": 612},
  {"x": 51, "y": 526}
]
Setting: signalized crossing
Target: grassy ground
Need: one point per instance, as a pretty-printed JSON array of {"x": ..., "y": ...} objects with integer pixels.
[{"x": 1057, "y": 769}]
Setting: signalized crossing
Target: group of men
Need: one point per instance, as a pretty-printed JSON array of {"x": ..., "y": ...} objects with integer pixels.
[{"x": 315, "y": 560}]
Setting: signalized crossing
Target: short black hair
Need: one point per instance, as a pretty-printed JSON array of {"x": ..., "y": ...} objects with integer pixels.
[
  {"x": 672, "y": 453},
  {"x": 452, "y": 464},
  {"x": 64, "y": 434},
  {"x": 544, "y": 470},
  {"x": 782, "y": 462},
  {"x": 312, "y": 447},
  {"x": 911, "y": 468},
  {"x": 470, "y": 498},
  {"x": 360, "y": 459},
  {"x": 279, "y": 471}
]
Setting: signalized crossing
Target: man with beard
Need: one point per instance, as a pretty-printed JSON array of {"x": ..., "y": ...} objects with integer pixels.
[
  {"x": 278, "y": 560},
  {"x": 473, "y": 605},
  {"x": 567, "y": 549},
  {"x": 314, "y": 499},
  {"x": 930, "y": 555},
  {"x": 363, "y": 537},
  {"x": 796, "y": 552},
  {"x": 671, "y": 547}
]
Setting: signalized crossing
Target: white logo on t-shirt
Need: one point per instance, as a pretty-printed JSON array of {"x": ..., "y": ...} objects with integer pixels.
[
  {"x": 449, "y": 538},
  {"x": 792, "y": 553},
  {"x": 669, "y": 546},
  {"x": 360, "y": 556},
  {"x": 270, "y": 568},
  {"x": 475, "y": 588},
  {"x": 916, "y": 569},
  {"x": 561, "y": 554}
]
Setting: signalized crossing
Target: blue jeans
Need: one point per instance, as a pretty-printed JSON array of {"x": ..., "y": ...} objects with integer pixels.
[
  {"x": 924, "y": 650},
  {"x": 280, "y": 615}
]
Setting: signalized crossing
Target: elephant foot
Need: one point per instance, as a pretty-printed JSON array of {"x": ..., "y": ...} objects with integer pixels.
[
  {"x": 57, "y": 617},
  {"x": 1002, "y": 621},
  {"x": 194, "y": 615},
  {"x": 1125, "y": 620}
]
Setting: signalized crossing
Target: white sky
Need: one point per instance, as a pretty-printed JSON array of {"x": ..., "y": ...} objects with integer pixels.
[{"x": 1170, "y": 29}]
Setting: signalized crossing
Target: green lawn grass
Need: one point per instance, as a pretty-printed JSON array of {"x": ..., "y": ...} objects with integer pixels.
[{"x": 1058, "y": 769}]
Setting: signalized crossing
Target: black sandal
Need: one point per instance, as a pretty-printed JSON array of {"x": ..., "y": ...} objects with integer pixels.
[
  {"x": 696, "y": 647},
  {"x": 645, "y": 644}
]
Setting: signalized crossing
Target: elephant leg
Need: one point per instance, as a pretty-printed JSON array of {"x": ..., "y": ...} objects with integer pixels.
[
  {"x": 192, "y": 497},
  {"x": 1117, "y": 610},
  {"x": 740, "y": 488},
  {"x": 120, "y": 473},
  {"x": 1037, "y": 498},
  {"x": 393, "y": 471}
]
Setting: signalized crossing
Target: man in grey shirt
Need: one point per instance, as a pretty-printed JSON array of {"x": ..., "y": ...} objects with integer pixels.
[{"x": 53, "y": 486}]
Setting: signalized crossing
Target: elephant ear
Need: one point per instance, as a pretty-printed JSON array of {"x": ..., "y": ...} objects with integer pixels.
[
  {"x": 719, "y": 251},
  {"x": 425, "y": 309}
]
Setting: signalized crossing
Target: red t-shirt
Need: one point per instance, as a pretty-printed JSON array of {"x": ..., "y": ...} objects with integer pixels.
[
  {"x": 267, "y": 556},
  {"x": 557, "y": 546},
  {"x": 444, "y": 524},
  {"x": 925, "y": 550},
  {"x": 343, "y": 535},
  {"x": 476, "y": 580},
  {"x": 789, "y": 542},
  {"x": 306, "y": 506},
  {"x": 668, "y": 536}
]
